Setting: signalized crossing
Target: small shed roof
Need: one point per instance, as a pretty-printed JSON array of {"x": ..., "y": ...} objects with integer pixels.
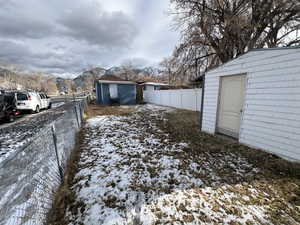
[
  {"x": 115, "y": 82},
  {"x": 111, "y": 79},
  {"x": 252, "y": 51}
]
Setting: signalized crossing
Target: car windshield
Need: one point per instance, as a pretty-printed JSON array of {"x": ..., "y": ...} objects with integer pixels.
[{"x": 22, "y": 97}]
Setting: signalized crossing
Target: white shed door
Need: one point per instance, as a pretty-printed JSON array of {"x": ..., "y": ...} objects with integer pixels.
[{"x": 231, "y": 104}]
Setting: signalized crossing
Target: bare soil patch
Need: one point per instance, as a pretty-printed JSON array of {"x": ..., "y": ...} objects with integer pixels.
[{"x": 99, "y": 110}]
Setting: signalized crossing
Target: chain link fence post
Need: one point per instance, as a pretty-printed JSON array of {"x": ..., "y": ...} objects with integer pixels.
[
  {"x": 76, "y": 114},
  {"x": 56, "y": 153}
]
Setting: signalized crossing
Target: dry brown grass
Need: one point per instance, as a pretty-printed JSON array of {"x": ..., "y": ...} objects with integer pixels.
[
  {"x": 279, "y": 178},
  {"x": 65, "y": 195},
  {"x": 99, "y": 110},
  {"x": 183, "y": 125}
]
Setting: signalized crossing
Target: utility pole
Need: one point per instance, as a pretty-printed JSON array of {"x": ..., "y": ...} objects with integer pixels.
[{"x": 169, "y": 73}]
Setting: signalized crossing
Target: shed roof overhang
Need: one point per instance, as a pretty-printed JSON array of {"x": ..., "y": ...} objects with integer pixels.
[{"x": 115, "y": 82}]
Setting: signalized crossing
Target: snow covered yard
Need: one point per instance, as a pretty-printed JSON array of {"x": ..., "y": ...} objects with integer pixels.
[{"x": 137, "y": 169}]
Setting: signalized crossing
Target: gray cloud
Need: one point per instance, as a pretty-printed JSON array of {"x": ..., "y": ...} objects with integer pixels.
[
  {"x": 6, "y": 3},
  {"x": 94, "y": 25},
  {"x": 18, "y": 21},
  {"x": 66, "y": 37},
  {"x": 13, "y": 52},
  {"x": 136, "y": 62},
  {"x": 45, "y": 61},
  {"x": 24, "y": 26}
]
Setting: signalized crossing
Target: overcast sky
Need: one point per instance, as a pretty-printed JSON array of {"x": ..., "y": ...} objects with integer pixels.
[{"x": 67, "y": 36}]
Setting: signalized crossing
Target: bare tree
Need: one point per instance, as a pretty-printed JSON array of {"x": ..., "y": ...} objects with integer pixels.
[
  {"x": 168, "y": 66},
  {"x": 128, "y": 71},
  {"x": 10, "y": 66},
  {"x": 48, "y": 85},
  {"x": 215, "y": 31}
]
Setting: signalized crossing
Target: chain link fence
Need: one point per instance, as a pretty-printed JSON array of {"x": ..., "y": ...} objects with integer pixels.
[{"x": 29, "y": 179}]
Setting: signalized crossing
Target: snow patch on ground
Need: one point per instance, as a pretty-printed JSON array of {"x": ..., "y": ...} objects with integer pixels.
[
  {"x": 11, "y": 142},
  {"x": 56, "y": 105},
  {"x": 131, "y": 173},
  {"x": 97, "y": 121}
]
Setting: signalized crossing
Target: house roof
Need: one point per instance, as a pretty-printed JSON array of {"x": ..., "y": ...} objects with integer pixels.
[
  {"x": 155, "y": 84},
  {"x": 143, "y": 80}
]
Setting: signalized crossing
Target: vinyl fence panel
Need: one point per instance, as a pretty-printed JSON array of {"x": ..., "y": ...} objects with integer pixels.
[{"x": 189, "y": 99}]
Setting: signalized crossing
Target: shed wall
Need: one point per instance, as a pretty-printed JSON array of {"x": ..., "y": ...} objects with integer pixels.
[
  {"x": 126, "y": 94},
  {"x": 105, "y": 94},
  {"x": 98, "y": 93},
  {"x": 271, "y": 118}
]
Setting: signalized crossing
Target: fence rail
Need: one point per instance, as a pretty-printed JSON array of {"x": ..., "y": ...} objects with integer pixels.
[
  {"x": 69, "y": 98},
  {"x": 189, "y": 99},
  {"x": 30, "y": 178}
]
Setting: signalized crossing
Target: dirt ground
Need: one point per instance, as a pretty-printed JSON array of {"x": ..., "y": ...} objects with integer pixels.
[
  {"x": 152, "y": 165},
  {"x": 95, "y": 110}
]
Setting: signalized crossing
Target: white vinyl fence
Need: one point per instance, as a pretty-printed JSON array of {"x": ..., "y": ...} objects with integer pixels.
[{"x": 182, "y": 98}]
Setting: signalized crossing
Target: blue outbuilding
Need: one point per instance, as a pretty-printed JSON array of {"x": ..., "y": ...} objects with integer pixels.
[{"x": 112, "y": 90}]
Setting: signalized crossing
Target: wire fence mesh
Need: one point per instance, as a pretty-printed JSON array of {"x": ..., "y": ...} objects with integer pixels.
[{"x": 28, "y": 180}]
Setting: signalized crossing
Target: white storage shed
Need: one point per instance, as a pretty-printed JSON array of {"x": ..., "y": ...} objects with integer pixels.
[{"x": 256, "y": 99}]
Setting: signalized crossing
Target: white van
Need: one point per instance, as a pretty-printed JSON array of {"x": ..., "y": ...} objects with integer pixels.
[{"x": 32, "y": 101}]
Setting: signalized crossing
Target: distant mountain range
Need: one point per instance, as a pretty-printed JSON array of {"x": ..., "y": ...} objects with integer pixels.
[
  {"x": 83, "y": 82},
  {"x": 18, "y": 80}
]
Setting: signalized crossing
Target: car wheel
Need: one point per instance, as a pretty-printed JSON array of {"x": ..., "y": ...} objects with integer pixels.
[
  {"x": 10, "y": 118},
  {"x": 37, "y": 109},
  {"x": 50, "y": 106}
]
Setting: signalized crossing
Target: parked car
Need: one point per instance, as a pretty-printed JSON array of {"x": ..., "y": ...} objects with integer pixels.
[
  {"x": 46, "y": 101},
  {"x": 8, "y": 109},
  {"x": 32, "y": 101}
]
